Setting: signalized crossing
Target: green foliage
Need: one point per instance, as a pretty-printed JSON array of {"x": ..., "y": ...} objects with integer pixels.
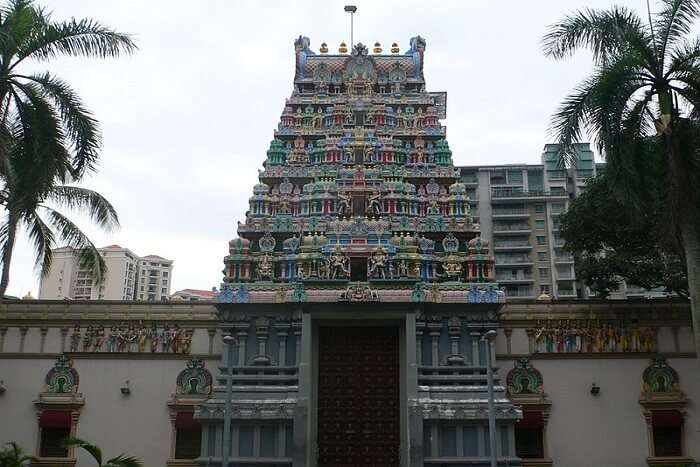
[
  {"x": 611, "y": 241},
  {"x": 95, "y": 452},
  {"x": 48, "y": 138},
  {"x": 13, "y": 456}
]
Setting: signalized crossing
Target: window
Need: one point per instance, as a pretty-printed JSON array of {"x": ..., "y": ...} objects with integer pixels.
[
  {"x": 544, "y": 288},
  {"x": 268, "y": 437},
  {"x": 542, "y": 256},
  {"x": 544, "y": 273},
  {"x": 448, "y": 441},
  {"x": 539, "y": 208},
  {"x": 245, "y": 441},
  {"x": 55, "y": 427},
  {"x": 529, "y": 440},
  {"x": 163, "y": 290},
  {"x": 539, "y": 224},
  {"x": 470, "y": 441},
  {"x": 541, "y": 240},
  {"x": 667, "y": 429},
  {"x": 188, "y": 436},
  {"x": 165, "y": 273}
]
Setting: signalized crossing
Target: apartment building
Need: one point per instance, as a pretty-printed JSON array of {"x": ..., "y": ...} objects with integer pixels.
[
  {"x": 126, "y": 271},
  {"x": 518, "y": 207},
  {"x": 195, "y": 295},
  {"x": 155, "y": 274}
]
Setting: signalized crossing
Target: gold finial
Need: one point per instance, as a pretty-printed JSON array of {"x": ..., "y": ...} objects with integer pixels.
[
  {"x": 394, "y": 48},
  {"x": 343, "y": 49},
  {"x": 324, "y": 48},
  {"x": 377, "y": 48}
]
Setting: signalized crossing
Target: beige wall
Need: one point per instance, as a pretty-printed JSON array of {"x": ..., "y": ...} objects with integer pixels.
[{"x": 608, "y": 429}]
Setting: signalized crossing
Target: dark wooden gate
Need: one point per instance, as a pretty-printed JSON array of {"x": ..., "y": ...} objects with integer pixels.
[{"x": 358, "y": 397}]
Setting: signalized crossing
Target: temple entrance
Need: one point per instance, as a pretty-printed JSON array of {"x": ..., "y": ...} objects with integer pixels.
[
  {"x": 358, "y": 269},
  {"x": 358, "y": 397}
]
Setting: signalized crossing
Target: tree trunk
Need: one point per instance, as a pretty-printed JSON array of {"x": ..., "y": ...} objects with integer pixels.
[
  {"x": 7, "y": 255},
  {"x": 691, "y": 245}
]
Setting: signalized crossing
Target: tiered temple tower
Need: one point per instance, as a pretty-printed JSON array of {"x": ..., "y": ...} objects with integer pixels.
[{"x": 359, "y": 288}]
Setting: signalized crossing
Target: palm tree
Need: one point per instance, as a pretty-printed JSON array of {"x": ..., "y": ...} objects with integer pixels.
[
  {"x": 13, "y": 456},
  {"x": 96, "y": 453},
  {"x": 48, "y": 139},
  {"x": 645, "y": 88}
]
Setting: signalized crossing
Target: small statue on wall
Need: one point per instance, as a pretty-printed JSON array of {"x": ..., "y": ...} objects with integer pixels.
[
  {"x": 75, "y": 339},
  {"x": 573, "y": 336},
  {"x": 338, "y": 264}
]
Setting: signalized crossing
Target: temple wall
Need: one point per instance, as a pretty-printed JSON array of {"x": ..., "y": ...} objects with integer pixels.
[{"x": 608, "y": 429}]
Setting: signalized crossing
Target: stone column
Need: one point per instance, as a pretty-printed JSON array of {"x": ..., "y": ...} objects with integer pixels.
[
  {"x": 509, "y": 333},
  {"x": 475, "y": 336},
  {"x": 302, "y": 455},
  {"x": 64, "y": 338},
  {"x": 242, "y": 336},
  {"x": 420, "y": 328},
  {"x": 212, "y": 334},
  {"x": 3, "y": 332},
  {"x": 42, "y": 342},
  {"x": 296, "y": 325},
  {"x": 415, "y": 420},
  {"x": 434, "y": 329},
  {"x": 282, "y": 328},
  {"x": 454, "y": 329},
  {"x": 22, "y": 338},
  {"x": 262, "y": 331}
]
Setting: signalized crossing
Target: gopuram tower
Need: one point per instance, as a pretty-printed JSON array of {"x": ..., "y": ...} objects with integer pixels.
[{"x": 358, "y": 292}]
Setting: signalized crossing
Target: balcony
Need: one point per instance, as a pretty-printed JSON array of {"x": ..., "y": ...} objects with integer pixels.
[
  {"x": 514, "y": 260},
  {"x": 512, "y": 229},
  {"x": 563, "y": 259},
  {"x": 520, "y": 292},
  {"x": 509, "y": 194},
  {"x": 519, "y": 279},
  {"x": 505, "y": 245},
  {"x": 510, "y": 213}
]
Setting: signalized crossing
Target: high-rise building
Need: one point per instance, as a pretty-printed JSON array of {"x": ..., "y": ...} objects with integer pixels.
[
  {"x": 518, "y": 208},
  {"x": 128, "y": 277}
]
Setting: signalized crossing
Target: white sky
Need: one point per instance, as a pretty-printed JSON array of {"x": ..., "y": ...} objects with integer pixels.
[{"x": 187, "y": 120}]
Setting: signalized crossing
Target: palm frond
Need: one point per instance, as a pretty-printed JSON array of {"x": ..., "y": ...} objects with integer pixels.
[
  {"x": 685, "y": 56},
  {"x": 84, "y": 37},
  {"x": 124, "y": 461},
  {"x": 674, "y": 21},
  {"x": 570, "y": 120},
  {"x": 94, "y": 451},
  {"x": 70, "y": 235},
  {"x": 81, "y": 127},
  {"x": 94, "y": 204},
  {"x": 43, "y": 240},
  {"x": 604, "y": 32}
]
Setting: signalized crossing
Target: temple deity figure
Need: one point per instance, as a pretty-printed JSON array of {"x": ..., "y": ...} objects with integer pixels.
[
  {"x": 154, "y": 338},
  {"x": 636, "y": 338},
  {"x": 338, "y": 264},
  {"x": 568, "y": 332},
  {"x": 539, "y": 336},
  {"x": 265, "y": 268},
  {"x": 165, "y": 339},
  {"x": 112, "y": 339},
  {"x": 588, "y": 337},
  {"x": 87, "y": 338},
  {"x": 578, "y": 332},
  {"x": 344, "y": 205},
  {"x": 75, "y": 339},
  {"x": 99, "y": 339},
  {"x": 374, "y": 205},
  {"x": 600, "y": 338},
  {"x": 624, "y": 339},
  {"x": 378, "y": 263},
  {"x": 648, "y": 340},
  {"x": 403, "y": 268},
  {"x": 142, "y": 336},
  {"x": 611, "y": 337},
  {"x": 559, "y": 337},
  {"x": 549, "y": 339},
  {"x": 433, "y": 207},
  {"x": 186, "y": 345}
]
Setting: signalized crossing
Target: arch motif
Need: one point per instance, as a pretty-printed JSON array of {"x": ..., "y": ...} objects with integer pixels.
[
  {"x": 659, "y": 377},
  {"x": 524, "y": 378},
  {"x": 62, "y": 378},
  {"x": 195, "y": 379}
]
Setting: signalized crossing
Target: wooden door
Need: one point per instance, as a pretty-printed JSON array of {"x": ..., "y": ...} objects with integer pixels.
[{"x": 358, "y": 397}]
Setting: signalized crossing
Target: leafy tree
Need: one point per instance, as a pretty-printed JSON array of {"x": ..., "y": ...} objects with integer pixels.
[
  {"x": 611, "y": 242},
  {"x": 13, "y": 456},
  {"x": 48, "y": 139},
  {"x": 645, "y": 84},
  {"x": 121, "y": 460}
]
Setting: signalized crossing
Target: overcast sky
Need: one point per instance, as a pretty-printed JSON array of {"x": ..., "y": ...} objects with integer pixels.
[{"x": 187, "y": 120}]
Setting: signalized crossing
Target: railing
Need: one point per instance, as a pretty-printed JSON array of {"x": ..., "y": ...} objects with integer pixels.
[
  {"x": 519, "y": 193},
  {"x": 520, "y": 292},
  {"x": 513, "y": 260},
  {"x": 512, "y": 245},
  {"x": 511, "y": 212},
  {"x": 521, "y": 277},
  {"x": 511, "y": 227}
]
